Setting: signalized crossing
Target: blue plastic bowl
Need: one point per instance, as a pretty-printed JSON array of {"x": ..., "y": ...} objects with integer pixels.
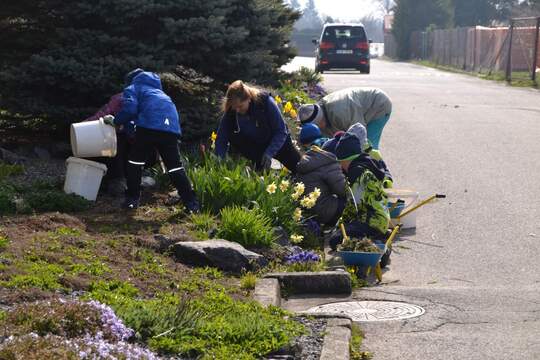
[
  {"x": 395, "y": 212},
  {"x": 362, "y": 258}
]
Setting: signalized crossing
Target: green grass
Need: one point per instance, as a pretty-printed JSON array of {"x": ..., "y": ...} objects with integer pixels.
[
  {"x": 357, "y": 336},
  {"x": 519, "y": 78}
]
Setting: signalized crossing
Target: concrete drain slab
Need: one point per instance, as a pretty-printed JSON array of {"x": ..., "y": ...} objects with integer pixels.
[{"x": 368, "y": 311}]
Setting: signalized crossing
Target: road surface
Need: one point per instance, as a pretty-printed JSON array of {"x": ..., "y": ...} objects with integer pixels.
[{"x": 474, "y": 261}]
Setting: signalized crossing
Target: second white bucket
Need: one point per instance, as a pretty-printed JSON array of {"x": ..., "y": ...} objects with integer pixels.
[
  {"x": 93, "y": 139},
  {"x": 411, "y": 198},
  {"x": 83, "y": 177}
]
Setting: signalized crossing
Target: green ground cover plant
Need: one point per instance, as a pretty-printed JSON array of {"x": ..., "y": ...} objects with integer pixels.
[
  {"x": 246, "y": 329},
  {"x": 38, "y": 197},
  {"x": 246, "y": 227}
]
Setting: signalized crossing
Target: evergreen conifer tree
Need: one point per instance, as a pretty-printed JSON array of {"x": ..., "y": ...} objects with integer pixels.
[{"x": 61, "y": 60}]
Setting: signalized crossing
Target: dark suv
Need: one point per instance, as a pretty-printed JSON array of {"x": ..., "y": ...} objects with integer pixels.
[{"x": 343, "y": 46}]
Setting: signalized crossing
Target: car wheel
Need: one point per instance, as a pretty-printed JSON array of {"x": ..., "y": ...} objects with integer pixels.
[{"x": 365, "y": 69}]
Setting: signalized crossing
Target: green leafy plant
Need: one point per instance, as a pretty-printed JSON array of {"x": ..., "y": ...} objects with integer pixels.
[
  {"x": 10, "y": 170},
  {"x": 246, "y": 227},
  {"x": 202, "y": 224},
  {"x": 248, "y": 281},
  {"x": 4, "y": 242}
]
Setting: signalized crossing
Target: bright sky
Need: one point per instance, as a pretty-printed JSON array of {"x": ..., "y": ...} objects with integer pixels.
[{"x": 347, "y": 9}]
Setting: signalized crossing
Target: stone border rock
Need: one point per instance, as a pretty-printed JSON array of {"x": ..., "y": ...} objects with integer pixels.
[{"x": 321, "y": 282}]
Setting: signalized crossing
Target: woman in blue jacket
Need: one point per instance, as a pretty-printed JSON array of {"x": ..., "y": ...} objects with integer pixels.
[
  {"x": 252, "y": 124},
  {"x": 157, "y": 125}
]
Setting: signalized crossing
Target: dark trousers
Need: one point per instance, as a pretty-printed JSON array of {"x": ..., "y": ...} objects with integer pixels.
[
  {"x": 339, "y": 211},
  {"x": 288, "y": 155},
  {"x": 167, "y": 146},
  {"x": 117, "y": 166}
]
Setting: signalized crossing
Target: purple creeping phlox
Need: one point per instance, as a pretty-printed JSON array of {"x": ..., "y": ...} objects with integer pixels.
[{"x": 111, "y": 323}]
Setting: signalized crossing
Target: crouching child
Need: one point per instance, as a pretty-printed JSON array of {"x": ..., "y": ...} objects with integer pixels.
[
  {"x": 320, "y": 169},
  {"x": 368, "y": 197}
]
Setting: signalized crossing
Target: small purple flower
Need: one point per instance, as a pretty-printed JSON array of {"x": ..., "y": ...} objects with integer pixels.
[
  {"x": 304, "y": 256},
  {"x": 111, "y": 322}
]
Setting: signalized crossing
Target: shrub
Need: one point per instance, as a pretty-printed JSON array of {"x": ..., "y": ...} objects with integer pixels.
[
  {"x": 246, "y": 227},
  {"x": 38, "y": 197}
]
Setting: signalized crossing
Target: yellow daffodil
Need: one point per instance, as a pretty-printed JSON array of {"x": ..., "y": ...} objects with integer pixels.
[
  {"x": 315, "y": 194},
  {"x": 296, "y": 239},
  {"x": 293, "y": 113},
  {"x": 297, "y": 216},
  {"x": 288, "y": 107},
  {"x": 307, "y": 202},
  {"x": 298, "y": 191},
  {"x": 278, "y": 99},
  {"x": 213, "y": 138},
  {"x": 271, "y": 188},
  {"x": 284, "y": 185}
]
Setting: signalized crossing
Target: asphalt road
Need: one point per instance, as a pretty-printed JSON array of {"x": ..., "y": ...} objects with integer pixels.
[{"x": 474, "y": 261}]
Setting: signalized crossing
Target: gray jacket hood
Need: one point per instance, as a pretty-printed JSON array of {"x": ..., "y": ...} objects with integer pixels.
[{"x": 313, "y": 160}]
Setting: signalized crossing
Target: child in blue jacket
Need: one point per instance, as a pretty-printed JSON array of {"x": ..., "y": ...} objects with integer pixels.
[{"x": 157, "y": 125}]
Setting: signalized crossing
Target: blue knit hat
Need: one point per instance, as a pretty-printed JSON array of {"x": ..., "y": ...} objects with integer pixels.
[
  {"x": 348, "y": 147},
  {"x": 331, "y": 144},
  {"x": 309, "y": 133}
]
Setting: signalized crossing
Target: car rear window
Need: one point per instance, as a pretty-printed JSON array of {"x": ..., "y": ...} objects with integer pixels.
[{"x": 356, "y": 33}]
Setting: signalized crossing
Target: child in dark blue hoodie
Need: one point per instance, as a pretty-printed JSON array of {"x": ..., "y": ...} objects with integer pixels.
[{"x": 157, "y": 126}]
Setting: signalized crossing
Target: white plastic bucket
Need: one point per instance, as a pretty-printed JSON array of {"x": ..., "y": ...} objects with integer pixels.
[
  {"x": 411, "y": 198},
  {"x": 83, "y": 177},
  {"x": 93, "y": 139}
]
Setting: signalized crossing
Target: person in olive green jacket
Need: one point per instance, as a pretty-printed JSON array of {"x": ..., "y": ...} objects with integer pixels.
[
  {"x": 320, "y": 169},
  {"x": 340, "y": 110}
]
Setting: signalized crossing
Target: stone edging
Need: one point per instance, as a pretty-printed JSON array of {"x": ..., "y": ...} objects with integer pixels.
[
  {"x": 267, "y": 292},
  {"x": 337, "y": 338}
]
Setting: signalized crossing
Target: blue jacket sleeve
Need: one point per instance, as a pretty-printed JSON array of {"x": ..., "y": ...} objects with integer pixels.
[
  {"x": 279, "y": 129},
  {"x": 222, "y": 140},
  {"x": 128, "y": 112}
]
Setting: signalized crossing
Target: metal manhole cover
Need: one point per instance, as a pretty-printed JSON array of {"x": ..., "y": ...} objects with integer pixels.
[{"x": 371, "y": 310}]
